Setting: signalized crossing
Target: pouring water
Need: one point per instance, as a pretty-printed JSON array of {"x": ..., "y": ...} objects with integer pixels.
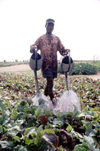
[{"x": 69, "y": 100}]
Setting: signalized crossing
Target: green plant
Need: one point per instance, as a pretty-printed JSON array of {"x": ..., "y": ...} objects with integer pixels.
[
  {"x": 81, "y": 68},
  {"x": 27, "y": 127}
]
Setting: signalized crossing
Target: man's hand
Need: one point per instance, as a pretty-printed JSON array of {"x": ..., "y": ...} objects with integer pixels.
[
  {"x": 66, "y": 51},
  {"x": 33, "y": 48}
]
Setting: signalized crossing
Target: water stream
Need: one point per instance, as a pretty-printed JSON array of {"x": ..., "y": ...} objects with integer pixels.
[{"x": 66, "y": 103}]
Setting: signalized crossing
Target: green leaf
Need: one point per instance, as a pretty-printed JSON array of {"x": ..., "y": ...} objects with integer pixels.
[
  {"x": 21, "y": 148},
  {"x": 1, "y": 129},
  {"x": 90, "y": 131},
  {"x": 30, "y": 131},
  {"x": 90, "y": 142},
  {"x": 48, "y": 131},
  {"x": 13, "y": 130},
  {"x": 57, "y": 123},
  {"x": 16, "y": 138},
  {"x": 6, "y": 144},
  {"x": 76, "y": 112},
  {"x": 39, "y": 111},
  {"x": 14, "y": 114},
  {"x": 4, "y": 118},
  {"x": 28, "y": 141},
  {"x": 69, "y": 128},
  {"x": 2, "y": 105},
  {"x": 81, "y": 147}
]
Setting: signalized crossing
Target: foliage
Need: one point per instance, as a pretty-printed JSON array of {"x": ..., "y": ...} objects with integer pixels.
[
  {"x": 24, "y": 127},
  {"x": 96, "y": 63},
  {"x": 82, "y": 69}
]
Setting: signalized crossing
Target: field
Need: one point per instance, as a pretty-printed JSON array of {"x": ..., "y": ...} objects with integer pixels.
[
  {"x": 12, "y": 63},
  {"x": 24, "y": 127},
  {"x": 16, "y": 62}
]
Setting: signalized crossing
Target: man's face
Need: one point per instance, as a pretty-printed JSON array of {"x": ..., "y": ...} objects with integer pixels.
[{"x": 49, "y": 27}]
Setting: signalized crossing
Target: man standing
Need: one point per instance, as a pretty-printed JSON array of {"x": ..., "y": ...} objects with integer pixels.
[{"x": 49, "y": 44}]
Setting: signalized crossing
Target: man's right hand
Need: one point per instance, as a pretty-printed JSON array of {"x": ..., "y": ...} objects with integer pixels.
[{"x": 33, "y": 48}]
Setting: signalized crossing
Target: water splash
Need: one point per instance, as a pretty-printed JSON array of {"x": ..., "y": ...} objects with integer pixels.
[
  {"x": 41, "y": 99},
  {"x": 67, "y": 102}
]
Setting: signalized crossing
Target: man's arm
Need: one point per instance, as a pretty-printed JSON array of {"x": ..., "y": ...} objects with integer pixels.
[
  {"x": 35, "y": 46},
  {"x": 62, "y": 49}
]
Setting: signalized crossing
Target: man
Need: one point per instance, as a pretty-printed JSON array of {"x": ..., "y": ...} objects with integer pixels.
[{"x": 49, "y": 44}]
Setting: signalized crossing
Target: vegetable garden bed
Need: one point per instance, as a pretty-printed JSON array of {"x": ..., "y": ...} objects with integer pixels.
[{"x": 24, "y": 127}]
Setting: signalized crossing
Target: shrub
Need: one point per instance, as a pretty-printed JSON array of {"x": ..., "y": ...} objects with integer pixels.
[
  {"x": 81, "y": 69},
  {"x": 84, "y": 69}
]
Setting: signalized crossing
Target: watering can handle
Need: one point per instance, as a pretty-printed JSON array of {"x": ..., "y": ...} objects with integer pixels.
[
  {"x": 35, "y": 72},
  {"x": 35, "y": 51},
  {"x": 66, "y": 73},
  {"x": 69, "y": 61}
]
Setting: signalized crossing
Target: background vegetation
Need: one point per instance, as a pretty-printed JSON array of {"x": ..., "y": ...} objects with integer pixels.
[
  {"x": 83, "y": 68},
  {"x": 79, "y": 67}
]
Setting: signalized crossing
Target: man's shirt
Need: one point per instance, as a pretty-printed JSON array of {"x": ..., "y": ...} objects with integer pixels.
[{"x": 49, "y": 45}]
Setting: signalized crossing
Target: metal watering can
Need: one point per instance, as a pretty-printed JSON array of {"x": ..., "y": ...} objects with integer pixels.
[
  {"x": 66, "y": 66},
  {"x": 36, "y": 64},
  {"x": 35, "y": 61}
]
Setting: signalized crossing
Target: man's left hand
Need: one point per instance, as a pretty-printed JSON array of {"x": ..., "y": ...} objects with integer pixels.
[{"x": 66, "y": 51}]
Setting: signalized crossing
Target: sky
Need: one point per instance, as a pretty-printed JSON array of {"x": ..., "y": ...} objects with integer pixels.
[{"x": 77, "y": 24}]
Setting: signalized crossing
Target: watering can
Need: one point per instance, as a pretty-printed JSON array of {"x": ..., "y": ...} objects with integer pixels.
[
  {"x": 36, "y": 64},
  {"x": 66, "y": 64},
  {"x": 35, "y": 61}
]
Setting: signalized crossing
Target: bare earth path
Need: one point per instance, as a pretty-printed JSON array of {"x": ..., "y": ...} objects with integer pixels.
[
  {"x": 25, "y": 68},
  {"x": 16, "y": 68}
]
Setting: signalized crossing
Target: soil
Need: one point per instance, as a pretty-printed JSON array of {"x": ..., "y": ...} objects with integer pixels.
[
  {"x": 16, "y": 68},
  {"x": 23, "y": 68}
]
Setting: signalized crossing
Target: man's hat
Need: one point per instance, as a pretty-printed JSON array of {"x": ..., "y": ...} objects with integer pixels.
[{"x": 50, "y": 21}]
